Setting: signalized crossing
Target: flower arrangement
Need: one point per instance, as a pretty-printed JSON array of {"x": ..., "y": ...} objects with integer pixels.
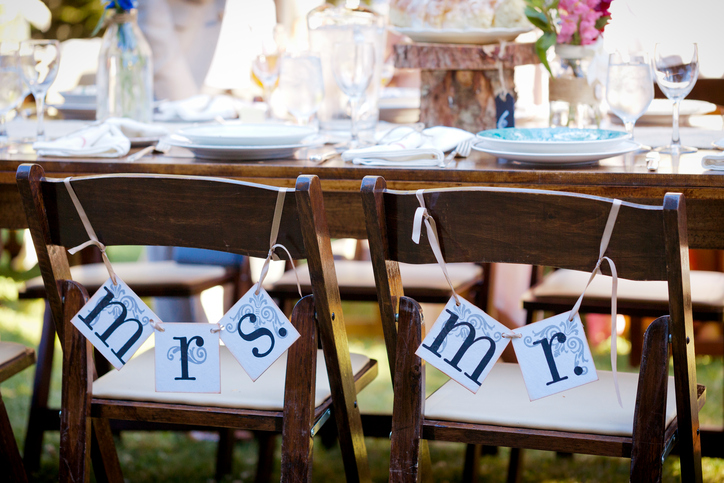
[
  {"x": 120, "y": 6},
  {"x": 574, "y": 22}
]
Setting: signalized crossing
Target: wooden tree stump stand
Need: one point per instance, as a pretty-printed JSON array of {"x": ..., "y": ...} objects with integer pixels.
[{"x": 458, "y": 82}]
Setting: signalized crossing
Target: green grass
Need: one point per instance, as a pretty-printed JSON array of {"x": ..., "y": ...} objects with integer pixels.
[{"x": 181, "y": 457}]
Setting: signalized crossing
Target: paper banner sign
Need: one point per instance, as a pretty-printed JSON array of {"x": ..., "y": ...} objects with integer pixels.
[
  {"x": 257, "y": 332},
  {"x": 187, "y": 358},
  {"x": 554, "y": 356},
  {"x": 464, "y": 343},
  {"x": 116, "y": 321}
]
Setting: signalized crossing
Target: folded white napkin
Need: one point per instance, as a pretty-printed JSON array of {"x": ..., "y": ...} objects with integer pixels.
[
  {"x": 108, "y": 139},
  {"x": 136, "y": 129},
  {"x": 713, "y": 161},
  {"x": 199, "y": 108},
  {"x": 405, "y": 146},
  {"x": 97, "y": 141}
]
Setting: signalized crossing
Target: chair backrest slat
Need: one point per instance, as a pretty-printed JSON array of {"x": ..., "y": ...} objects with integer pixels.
[
  {"x": 526, "y": 226},
  {"x": 216, "y": 214}
]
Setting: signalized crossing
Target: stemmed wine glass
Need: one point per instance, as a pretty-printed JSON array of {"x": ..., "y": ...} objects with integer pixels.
[
  {"x": 301, "y": 85},
  {"x": 12, "y": 88},
  {"x": 677, "y": 68},
  {"x": 265, "y": 66},
  {"x": 629, "y": 87},
  {"x": 39, "y": 61},
  {"x": 353, "y": 64}
]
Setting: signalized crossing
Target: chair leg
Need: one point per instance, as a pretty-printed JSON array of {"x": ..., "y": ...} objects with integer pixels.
[
  {"x": 11, "y": 464},
  {"x": 650, "y": 413},
  {"x": 636, "y": 336},
  {"x": 267, "y": 445},
  {"x": 106, "y": 467},
  {"x": 75, "y": 420},
  {"x": 299, "y": 396},
  {"x": 515, "y": 465},
  {"x": 471, "y": 467},
  {"x": 405, "y": 446},
  {"x": 37, "y": 420},
  {"x": 224, "y": 453}
]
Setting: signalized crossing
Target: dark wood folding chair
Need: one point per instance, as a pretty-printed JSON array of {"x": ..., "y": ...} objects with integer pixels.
[
  {"x": 147, "y": 279},
  {"x": 553, "y": 229},
  {"x": 219, "y": 215},
  {"x": 13, "y": 359}
]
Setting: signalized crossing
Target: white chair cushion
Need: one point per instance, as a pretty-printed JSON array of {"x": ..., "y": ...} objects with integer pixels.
[
  {"x": 356, "y": 273},
  {"x": 136, "y": 382},
  {"x": 10, "y": 350},
  {"x": 503, "y": 401},
  {"x": 139, "y": 274},
  {"x": 707, "y": 288}
]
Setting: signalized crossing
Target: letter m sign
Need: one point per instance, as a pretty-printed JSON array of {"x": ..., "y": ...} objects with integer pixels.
[{"x": 116, "y": 321}]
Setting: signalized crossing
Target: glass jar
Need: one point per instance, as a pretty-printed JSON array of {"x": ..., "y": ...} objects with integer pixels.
[
  {"x": 575, "y": 101},
  {"x": 125, "y": 71},
  {"x": 350, "y": 22}
]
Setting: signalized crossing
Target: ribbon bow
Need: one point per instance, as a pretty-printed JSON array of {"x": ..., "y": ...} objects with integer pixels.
[
  {"x": 91, "y": 232},
  {"x": 422, "y": 215},
  {"x": 610, "y": 223}
]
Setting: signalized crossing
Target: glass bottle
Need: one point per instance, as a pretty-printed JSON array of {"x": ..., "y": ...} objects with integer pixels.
[
  {"x": 574, "y": 101},
  {"x": 125, "y": 71}
]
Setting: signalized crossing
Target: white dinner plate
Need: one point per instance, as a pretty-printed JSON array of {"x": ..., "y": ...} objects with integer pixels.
[
  {"x": 553, "y": 159},
  {"x": 551, "y": 140},
  {"x": 236, "y": 153},
  {"x": 460, "y": 36},
  {"x": 718, "y": 144},
  {"x": 240, "y": 134},
  {"x": 660, "y": 111}
]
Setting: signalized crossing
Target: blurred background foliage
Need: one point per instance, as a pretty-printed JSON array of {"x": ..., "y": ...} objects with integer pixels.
[{"x": 72, "y": 19}]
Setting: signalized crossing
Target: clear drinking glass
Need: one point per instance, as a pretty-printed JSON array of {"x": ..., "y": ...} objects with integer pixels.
[
  {"x": 39, "y": 60},
  {"x": 301, "y": 85},
  {"x": 265, "y": 66},
  {"x": 353, "y": 64},
  {"x": 12, "y": 88},
  {"x": 677, "y": 68},
  {"x": 629, "y": 87}
]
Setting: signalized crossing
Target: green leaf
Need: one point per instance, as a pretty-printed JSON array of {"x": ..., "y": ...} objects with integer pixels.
[
  {"x": 553, "y": 5},
  {"x": 545, "y": 42},
  {"x": 538, "y": 19},
  {"x": 602, "y": 22},
  {"x": 99, "y": 25}
]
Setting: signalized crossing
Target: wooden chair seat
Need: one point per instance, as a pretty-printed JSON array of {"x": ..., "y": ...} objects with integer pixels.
[
  {"x": 357, "y": 281},
  {"x": 503, "y": 401},
  {"x": 136, "y": 383},
  {"x": 14, "y": 358},
  {"x": 563, "y": 287},
  {"x": 148, "y": 279}
]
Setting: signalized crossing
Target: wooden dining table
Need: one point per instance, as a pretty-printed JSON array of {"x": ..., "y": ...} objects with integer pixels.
[{"x": 624, "y": 177}]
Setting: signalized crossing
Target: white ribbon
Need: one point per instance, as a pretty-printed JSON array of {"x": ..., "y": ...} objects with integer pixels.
[
  {"x": 91, "y": 232},
  {"x": 421, "y": 214},
  {"x": 503, "y": 90},
  {"x": 613, "y": 214},
  {"x": 276, "y": 221}
]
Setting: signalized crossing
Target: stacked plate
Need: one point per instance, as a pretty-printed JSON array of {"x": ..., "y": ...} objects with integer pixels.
[
  {"x": 554, "y": 146},
  {"x": 80, "y": 103},
  {"x": 244, "y": 142}
]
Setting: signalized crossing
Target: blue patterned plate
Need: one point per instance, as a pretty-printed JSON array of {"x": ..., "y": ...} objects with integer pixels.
[{"x": 558, "y": 140}]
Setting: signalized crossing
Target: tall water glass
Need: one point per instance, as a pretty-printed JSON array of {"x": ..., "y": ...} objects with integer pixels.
[
  {"x": 12, "y": 88},
  {"x": 39, "y": 60},
  {"x": 301, "y": 85},
  {"x": 629, "y": 87},
  {"x": 353, "y": 64},
  {"x": 677, "y": 68}
]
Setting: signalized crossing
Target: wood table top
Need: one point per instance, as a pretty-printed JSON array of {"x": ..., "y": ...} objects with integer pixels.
[{"x": 623, "y": 177}]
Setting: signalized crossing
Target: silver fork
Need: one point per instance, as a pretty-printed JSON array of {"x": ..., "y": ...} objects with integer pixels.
[
  {"x": 162, "y": 147},
  {"x": 462, "y": 150}
]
